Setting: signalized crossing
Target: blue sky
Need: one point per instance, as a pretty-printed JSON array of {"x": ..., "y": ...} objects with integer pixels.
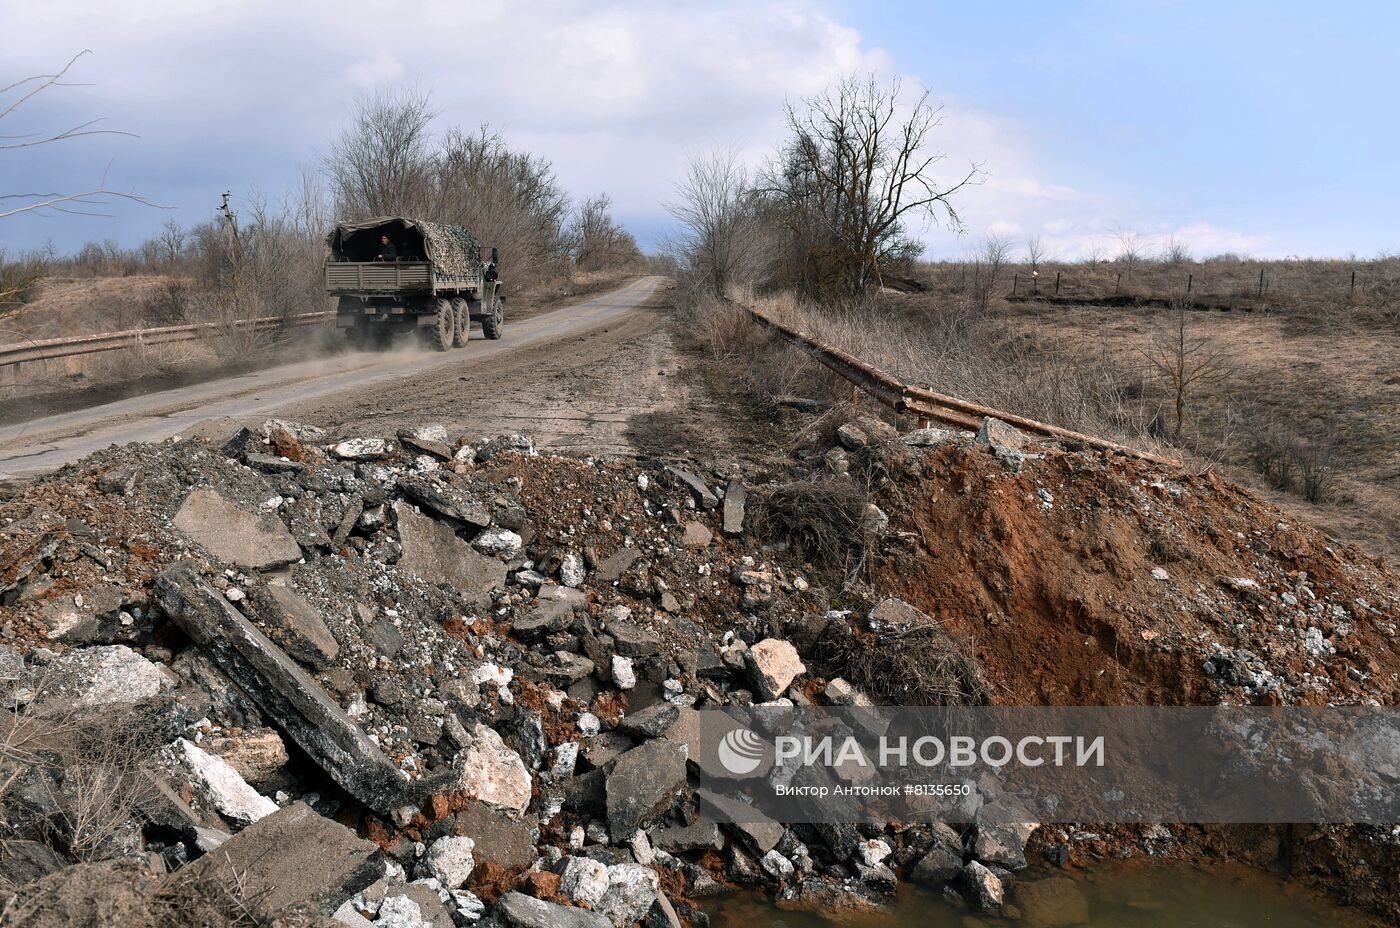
[{"x": 1267, "y": 129}]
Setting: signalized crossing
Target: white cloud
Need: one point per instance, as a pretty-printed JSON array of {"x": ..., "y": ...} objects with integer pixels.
[
  {"x": 237, "y": 94},
  {"x": 618, "y": 95}
]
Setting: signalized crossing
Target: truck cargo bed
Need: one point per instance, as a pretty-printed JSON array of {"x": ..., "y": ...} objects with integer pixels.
[{"x": 362, "y": 276}]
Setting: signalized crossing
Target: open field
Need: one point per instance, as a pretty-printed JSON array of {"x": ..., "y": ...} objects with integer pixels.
[{"x": 1291, "y": 387}]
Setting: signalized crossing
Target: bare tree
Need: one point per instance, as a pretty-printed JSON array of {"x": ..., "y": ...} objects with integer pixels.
[
  {"x": 510, "y": 199},
  {"x": 986, "y": 269},
  {"x": 381, "y": 164},
  {"x": 1132, "y": 249},
  {"x": 715, "y": 211},
  {"x": 171, "y": 241},
  {"x": 81, "y": 203},
  {"x": 1175, "y": 252},
  {"x": 1186, "y": 363},
  {"x": 1035, "y": 252},
  {"x": 595, "y": 237},
  {"x": 857, "y": 170}
]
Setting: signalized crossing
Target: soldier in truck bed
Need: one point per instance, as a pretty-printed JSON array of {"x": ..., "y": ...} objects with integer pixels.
[{"x": 387, "y": 251}]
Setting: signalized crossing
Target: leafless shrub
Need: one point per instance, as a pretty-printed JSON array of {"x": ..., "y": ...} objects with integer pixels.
[
  {"x": 986, "y": 269},
  {"x": 1175, "y": 253},
  {"x": 820, "y": 520},
  {"x": 1186, "y": 364},
  {"x": 1132, "y": 249},
  {"x": 89, "y": 764},
  {"x": 168, "y": 303},
  {"x": 720, "y": 243},
  {"x": 1298, "y": 462},
  {"x": 19, "y": 280},
  {"x": 1317, "y": 469},
  {"x": 595, "y": 238},
  {"x": 924, "y": 666},
  {"x": 1035, "y": 252},
  {"x": 126, "y": 894}
]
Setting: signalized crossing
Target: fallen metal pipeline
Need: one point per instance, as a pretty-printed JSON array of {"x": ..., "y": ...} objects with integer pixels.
[
  {"x": 930, "y": 405},
  {"x": 51, "y": 348}
]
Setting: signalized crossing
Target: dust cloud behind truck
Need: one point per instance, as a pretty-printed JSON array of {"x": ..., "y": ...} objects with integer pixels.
[{"x": 431, "y": 280}]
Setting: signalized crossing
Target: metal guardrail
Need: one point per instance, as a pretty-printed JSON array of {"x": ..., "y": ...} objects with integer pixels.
[
  {"x": 51, "y": 348},
  {"x": 930, "y": 405}
]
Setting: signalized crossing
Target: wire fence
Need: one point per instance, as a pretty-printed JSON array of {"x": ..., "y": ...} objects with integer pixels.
[{"x": 1277, "y": 284}]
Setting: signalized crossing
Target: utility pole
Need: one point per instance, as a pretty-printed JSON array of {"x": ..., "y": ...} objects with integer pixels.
[{"x": 235, "y": 257}]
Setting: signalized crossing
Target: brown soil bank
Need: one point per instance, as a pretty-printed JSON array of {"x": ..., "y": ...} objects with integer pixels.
[
  {"x": 1084, "y": 580},
  {"x": 1079, "y": 579}
]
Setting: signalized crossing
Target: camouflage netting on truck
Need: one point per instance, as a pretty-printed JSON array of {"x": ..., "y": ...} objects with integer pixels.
[{"x": 451, "y": 249}]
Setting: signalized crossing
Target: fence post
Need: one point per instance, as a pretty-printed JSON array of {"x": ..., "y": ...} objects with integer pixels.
[
  {"x": 1015, "y": 279},
  {"x": 1188, "y": 284},
  {"x": 1261, "y": 281},
  {"x": 1057, "y": 283},
  {"x": 1353, "y": 284},
  {"x": 1117, "y": 282}
]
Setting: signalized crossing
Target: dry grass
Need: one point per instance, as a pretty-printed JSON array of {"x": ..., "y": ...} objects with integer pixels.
[
  {"x": 1311, "y": 410},
  {"x": 820, "y": 520},
  {"x": 126, "y": 894},
  {"x": 924, "y": 666},
  {"x": 88, "y": 767}
]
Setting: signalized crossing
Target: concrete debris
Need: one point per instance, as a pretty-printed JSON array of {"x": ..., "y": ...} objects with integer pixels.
[
  {"x": 360, "y": 449},
  {"x": 930, "y": 437},
  {"x": 894, "y": 617},
  {"x": 517, "y": 910},
  {"x": 865, "y": 431},
  {"x": 449, "y": 861},
  {"x": 583, "y": 880},
  {"x": 329, "y": 864},
  {"x": 773, "y": 664},
  {"x": 982, "y": 887},
  {"x": 491, "y": 772},
  {"x": 282, "y": 689},
  {"x": 109, "y": 675},
  {"x": 696, "y": 535},
  {"x": 230, "y": 533},
  {"x": 735, "y": 502},
  {"x": 221, "y": 784},
  {"x": 631, "y": 891},
  {"x": 998, "y": 434},
  {"x": 644, "y": 782},
  {"x": 432, "y": 550},
  {"x": 701, "y": 494}
]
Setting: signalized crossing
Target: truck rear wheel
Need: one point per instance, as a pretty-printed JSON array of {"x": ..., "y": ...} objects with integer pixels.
[
  {"x": 492, "y": 321},
  {"x": 443, "y": 333},
  {"x": 461, "y": 312},
  {"x": 357, "y": 336}
]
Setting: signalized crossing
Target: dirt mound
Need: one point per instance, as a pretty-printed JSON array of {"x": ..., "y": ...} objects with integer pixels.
[{"x": 1086, "y": 580}]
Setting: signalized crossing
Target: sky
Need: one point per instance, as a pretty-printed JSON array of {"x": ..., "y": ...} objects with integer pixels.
[{"x": 1265, "y": 129}]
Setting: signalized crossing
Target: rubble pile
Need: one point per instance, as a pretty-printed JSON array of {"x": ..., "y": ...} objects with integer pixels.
[{"x": 455, "y": 682}]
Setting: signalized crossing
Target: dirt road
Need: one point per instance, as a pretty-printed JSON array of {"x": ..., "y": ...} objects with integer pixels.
[{"x": 599, "y": 374}]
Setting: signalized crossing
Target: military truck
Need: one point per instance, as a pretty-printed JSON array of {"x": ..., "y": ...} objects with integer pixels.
[{"x": 428, "y": 278}]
